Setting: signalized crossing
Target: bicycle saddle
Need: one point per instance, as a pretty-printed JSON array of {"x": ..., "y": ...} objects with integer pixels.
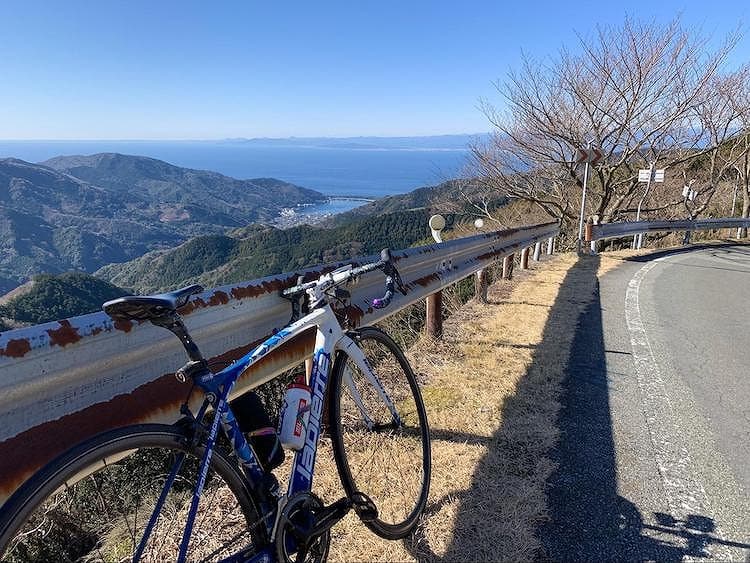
[{"x": 147, "y": 307}]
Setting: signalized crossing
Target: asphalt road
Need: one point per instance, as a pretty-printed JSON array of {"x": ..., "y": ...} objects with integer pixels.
[{"x": 654, "y": 459}]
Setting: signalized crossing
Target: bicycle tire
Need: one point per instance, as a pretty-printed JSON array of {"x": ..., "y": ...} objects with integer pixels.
[
  {"x": 390, "y": 463},
  {"x": 116, "y": 471}
]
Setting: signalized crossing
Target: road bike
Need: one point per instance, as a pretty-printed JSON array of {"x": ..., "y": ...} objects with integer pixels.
[{"x": 187, "y": 492}]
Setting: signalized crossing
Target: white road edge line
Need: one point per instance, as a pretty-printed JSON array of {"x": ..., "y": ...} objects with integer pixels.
[{"x": 684, "y": 492}]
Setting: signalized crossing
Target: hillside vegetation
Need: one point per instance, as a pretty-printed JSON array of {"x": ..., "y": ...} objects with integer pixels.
[
  {"x": 83, "y": 212},
  {"x": 250, "y": 252},
  {"x": 258, "y": 251},
  {"x": 238, "y": 254},
  {"x": 457, "y": 196},
  {"x": 53, "y": 297}
]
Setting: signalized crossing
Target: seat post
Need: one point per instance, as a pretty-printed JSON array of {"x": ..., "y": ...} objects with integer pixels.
[{"x": 173, "y": 322}]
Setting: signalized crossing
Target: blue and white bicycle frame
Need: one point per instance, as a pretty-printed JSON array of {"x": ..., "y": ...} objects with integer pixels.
[{"x": 330, "y": 339}]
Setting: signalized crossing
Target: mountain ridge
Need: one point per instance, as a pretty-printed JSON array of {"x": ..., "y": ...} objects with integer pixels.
[{"x": 82, "y": 212}]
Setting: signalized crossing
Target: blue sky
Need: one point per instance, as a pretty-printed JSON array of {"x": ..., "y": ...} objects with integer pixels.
[{"x": 209, "y": 70}]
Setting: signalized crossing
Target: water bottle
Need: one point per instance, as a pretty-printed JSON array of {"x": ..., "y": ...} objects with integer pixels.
[{"x": 295, "y": 412}]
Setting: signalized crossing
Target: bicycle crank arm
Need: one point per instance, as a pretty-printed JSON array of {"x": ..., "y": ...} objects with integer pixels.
[{"x": 328, "y": 516}]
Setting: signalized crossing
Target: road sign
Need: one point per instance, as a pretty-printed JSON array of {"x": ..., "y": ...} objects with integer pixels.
[
  {"x": 644, "y": 174},
  {"x": 589, "y": 155},
  {"x": 688, "y": 193}
]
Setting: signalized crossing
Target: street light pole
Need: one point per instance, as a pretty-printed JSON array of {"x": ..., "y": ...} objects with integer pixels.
[{"x": 583, "y": 202}]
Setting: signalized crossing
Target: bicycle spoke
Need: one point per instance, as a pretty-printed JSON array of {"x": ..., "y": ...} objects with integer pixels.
[
  {"x": 385, "y": 461},
  {"x": 123, "y": 509}
]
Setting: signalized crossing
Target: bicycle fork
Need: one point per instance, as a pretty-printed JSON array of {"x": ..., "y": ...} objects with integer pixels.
[{"x": 350, "y": 347}]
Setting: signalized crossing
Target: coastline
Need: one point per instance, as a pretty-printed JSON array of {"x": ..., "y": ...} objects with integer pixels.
[{"x": 315, "y": 213}]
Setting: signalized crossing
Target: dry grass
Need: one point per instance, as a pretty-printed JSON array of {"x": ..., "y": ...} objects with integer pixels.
[{"x": 491, "y": 391}]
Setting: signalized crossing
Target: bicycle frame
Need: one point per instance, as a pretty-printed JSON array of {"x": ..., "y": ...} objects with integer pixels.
[{"x": 330, "y": 338}]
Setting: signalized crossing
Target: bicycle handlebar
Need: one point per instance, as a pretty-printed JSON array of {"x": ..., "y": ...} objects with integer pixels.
[{"x": 337, "y": 277}]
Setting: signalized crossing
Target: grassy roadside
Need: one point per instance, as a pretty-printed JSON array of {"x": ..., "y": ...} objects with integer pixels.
[{"x": 492, "y": 388}]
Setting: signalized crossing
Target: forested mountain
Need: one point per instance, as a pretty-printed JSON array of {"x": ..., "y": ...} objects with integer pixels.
[
  {"x": 212, "y": 260},
  {"x": 182, "y": 195},
  {"x": 53, "y": 297},
  {"x": 258, "y": 251},
  {"x": 236, "y": 254},
  {"x": 453, "y": 196},
  {"x": 83, "y": 212}
]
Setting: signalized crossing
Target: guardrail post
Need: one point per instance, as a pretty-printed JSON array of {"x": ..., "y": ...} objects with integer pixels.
[
  {"x": 434, "y": 320},
  {"x": 525, "y": 258},
  {"x": 550, "y": 245},
  {"x": 537, "y": 251},
  {"x": 508, "y": 267},
  {"x": 480, "y": 286}
]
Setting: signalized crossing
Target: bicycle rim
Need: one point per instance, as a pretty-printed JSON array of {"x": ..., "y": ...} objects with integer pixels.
[
  {"x": 385, "y": 457},
  {"x": 94, "y": 502}
]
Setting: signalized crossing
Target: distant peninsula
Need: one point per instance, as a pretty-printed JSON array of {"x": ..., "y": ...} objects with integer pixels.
[{"x": 433, "y": 142}]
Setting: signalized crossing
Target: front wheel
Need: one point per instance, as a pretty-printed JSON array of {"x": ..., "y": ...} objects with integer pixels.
[
  {"x": 378, "y": 423},
  {"x": 94, "y": 502}
]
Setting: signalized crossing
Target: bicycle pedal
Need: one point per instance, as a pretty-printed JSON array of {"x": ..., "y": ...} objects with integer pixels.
[{"x": 364, "y": 507}]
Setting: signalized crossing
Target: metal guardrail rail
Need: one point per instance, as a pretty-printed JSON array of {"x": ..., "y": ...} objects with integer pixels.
[
  {"x": 64, "y": 381},
  {"x": 614, "y": 230}
]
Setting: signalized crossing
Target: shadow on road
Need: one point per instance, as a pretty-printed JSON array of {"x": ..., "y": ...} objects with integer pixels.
[
  {"x": 736, "y": 246},
  {"x": 587, "y": 519}
]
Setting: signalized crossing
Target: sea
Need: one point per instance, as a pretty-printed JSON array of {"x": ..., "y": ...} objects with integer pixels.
[{"x": 348, "y": 175}]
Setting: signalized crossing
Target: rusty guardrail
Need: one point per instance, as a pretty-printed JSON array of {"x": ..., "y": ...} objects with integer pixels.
[
  {"x": 596, "y": 232},
  {"x": 64, "y": 381}
]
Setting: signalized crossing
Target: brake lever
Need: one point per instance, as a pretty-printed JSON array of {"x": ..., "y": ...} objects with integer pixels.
[
  {"x": 399, "y": 283},
  {"x": 390, "y": 271}
]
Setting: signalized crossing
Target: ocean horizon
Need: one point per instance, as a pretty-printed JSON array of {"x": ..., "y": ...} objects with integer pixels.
[{"x": 364, "y": 171}]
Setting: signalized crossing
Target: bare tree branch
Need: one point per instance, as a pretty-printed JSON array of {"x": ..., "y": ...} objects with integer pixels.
[{"x": 645, "y": 94}]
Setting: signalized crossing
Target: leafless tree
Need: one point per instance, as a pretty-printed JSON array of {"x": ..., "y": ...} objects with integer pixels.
[
  {"x": 635, "y": 91},
  {"x": 467, "y": 197},
  {"x": 722, "y": 116},
  {"x": 743, "y": 180},
  {"x": 741, "y": 99}
]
